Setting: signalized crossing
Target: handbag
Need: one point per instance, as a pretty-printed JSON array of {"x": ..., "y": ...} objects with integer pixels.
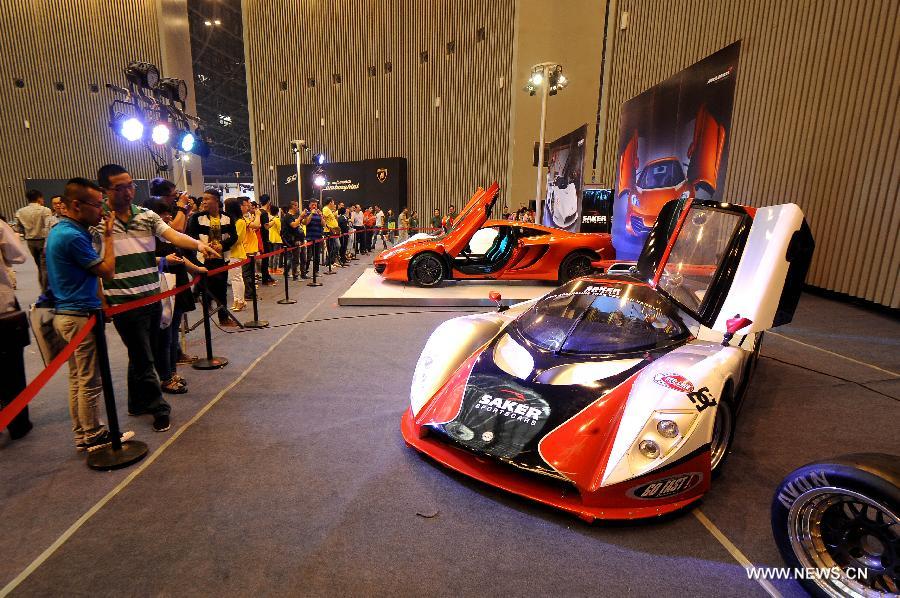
[
  {"x": 166, "y": 283},
  {"x": 14, "y": 327}
]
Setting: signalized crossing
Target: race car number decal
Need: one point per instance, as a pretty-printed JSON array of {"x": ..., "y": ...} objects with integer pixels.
[
  {"x": 674, "y": 381},
  {"x": 702, "y": 399},
  {"x": 666, "y": 487}
]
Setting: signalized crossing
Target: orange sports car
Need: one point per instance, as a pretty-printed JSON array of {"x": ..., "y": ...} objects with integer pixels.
[
  {"x": 664, "y": 179},
  {"x": 479, "y": 248}
]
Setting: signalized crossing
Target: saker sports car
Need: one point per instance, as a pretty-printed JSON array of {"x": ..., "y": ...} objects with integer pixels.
[
  {"x": 479, "y": 248},
  {"x": 616, "y": 396}
]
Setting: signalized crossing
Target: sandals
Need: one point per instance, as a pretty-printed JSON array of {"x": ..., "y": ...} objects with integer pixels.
[{"x": 173, "y": 387}]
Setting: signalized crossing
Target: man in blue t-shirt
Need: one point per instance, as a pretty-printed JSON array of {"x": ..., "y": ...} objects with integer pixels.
[{"x": 73, "y": 266}]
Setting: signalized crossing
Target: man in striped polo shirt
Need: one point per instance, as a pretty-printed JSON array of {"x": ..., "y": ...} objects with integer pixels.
[{"x": 134, "y": 237}]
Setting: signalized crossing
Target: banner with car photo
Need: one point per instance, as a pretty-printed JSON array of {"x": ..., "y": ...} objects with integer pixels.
[
  {"x": 565, "y": 165},
  {"x": 673, "y": 143}
]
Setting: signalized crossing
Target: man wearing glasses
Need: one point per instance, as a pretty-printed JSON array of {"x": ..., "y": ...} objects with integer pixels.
[
  {"x": 134, "y": 232},
  {"x": 73, "y": 267}
]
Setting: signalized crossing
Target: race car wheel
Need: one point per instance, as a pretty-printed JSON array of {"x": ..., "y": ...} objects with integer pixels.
[
  {"x": 723, "y": 432},
  {"x": 574, "y": 266},
  {"x": 842, "y": 515},
  {"x": 426, "y": 270}
]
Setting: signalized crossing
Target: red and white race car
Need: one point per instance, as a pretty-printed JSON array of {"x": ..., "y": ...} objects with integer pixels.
[{"x": 615, "y": 396}]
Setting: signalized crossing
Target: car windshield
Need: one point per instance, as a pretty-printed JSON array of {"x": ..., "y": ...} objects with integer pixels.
[
  {"x": 595, "y": 318},
  {"x": 658, "y": 175}
]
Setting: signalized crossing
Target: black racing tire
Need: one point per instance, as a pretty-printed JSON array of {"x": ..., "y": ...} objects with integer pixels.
[
  {"x": 723, "y": 431},
  {"x": 575, "y": 265},
  {"x": 843, "y": 513},
  {"x": 426, "y": 270}
]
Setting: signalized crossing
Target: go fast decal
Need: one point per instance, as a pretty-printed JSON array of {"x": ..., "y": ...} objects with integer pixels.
[{"x": 666, "y": 487}]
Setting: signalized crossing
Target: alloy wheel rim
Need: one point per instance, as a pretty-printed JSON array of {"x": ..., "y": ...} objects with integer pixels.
[
  {"x": 581, "y": 266},
  {"x": 836, "y": 527},
  {"x": 428, "y": 271},
  {"x": 721, "y": 433}
]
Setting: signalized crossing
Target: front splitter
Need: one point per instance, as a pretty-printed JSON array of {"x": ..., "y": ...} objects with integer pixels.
[{"x": 502, "y": 476}]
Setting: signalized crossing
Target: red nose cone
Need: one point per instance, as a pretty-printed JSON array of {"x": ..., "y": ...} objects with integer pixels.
[{"x": 494, "y": 296}]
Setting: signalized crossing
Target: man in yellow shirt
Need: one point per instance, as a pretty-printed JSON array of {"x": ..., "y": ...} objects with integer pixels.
[{"x": 330, "y": 223}]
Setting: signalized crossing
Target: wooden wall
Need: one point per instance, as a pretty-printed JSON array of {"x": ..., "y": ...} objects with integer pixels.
[
  {"x": 76, "y": 43},
  {"x": 451, "y": 149},
  {"x": 816, "y": 118}
]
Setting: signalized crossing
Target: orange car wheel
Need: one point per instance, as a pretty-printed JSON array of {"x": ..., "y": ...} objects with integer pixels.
[
  {"x": 575, "y": 265},
  {"x": 426, "y": 270}
]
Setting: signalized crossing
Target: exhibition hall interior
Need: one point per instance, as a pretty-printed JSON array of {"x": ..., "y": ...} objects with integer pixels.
[{"x": 450, "y": 297}]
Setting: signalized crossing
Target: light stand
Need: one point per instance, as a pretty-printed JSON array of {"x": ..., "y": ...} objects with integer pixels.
[{"x": 549, "y": 78}]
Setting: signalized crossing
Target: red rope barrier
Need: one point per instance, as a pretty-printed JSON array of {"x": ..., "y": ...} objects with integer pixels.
[
  {"x": 15, "y": 407},
  {"x": 8, "y": 413}
]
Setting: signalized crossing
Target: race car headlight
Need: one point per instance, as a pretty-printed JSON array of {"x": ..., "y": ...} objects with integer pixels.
[
  {"x": 649, "y": 449},
  {"x": 667, "y": 428},
  {"x": 634, "y": 200}
]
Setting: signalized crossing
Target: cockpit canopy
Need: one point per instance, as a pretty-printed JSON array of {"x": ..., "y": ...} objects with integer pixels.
[{"x": 600, "y": 318}]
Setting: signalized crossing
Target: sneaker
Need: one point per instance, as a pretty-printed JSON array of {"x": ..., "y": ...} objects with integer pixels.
[
  {"x": 102, "y": 440},
  {"x": 137, "y": 413},
  {"x": 187, "y": 359},
  {"x": 161, "y": 422}
]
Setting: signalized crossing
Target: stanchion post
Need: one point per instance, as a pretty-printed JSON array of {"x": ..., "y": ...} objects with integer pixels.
[
  {"x": 315, "y": 263},
  {"x": 210, "y": 362},
  {"x": 287, "y": 299},
  {"x": 118, "y": 454},
  {"x": 255, "y": 322}
]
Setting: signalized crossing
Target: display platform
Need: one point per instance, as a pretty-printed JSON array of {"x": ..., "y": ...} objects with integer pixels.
[{"x": 371, "y": 289}]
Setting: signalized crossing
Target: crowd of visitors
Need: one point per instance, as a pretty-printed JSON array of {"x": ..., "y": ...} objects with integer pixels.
[{"x": 96, "y": 247}]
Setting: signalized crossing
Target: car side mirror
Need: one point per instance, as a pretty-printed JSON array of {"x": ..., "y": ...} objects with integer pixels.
[
  {"x": 496, "y": 297},
  {"x": 732, "y": 325}
]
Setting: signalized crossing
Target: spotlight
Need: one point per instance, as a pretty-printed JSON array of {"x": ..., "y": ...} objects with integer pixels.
[
  {"x": 537, "y": 79},
  {"x": 319, "y": 158},
  {"x": 320, "y": 180},
  {"x": 142, "y": 74},
  {"x": 172, "y": 89},
  {"x": 160, "y": 133},
  {"x": 201, "y": 144},
  {"x": 185, "y": 141},
  {"x": 129, "y": 127}
]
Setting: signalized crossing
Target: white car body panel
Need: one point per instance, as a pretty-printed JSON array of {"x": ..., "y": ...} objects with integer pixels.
[
  {"x": 704, "y": 365},
  {"x": 760, "y": 275}
]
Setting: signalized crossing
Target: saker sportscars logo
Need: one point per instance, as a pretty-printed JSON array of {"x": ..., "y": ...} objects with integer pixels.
[
  {"x": 381, "y": 175},
  {"x": 511, "y": 406}
]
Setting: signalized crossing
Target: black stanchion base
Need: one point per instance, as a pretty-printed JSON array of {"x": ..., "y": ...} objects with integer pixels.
[
  {"x": 209, "y": 364},
  {"x": 109, "y": 458},
  {"x": 256, "y": 324},
  {"x": 286, "y": 301},
  {"x": 314, "y": 284}
]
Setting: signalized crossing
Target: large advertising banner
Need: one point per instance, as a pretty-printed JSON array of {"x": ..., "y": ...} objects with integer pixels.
[
  {"x": 673, "y": 143},
  {"x": 380, "y": 181},
  {"x": 562, "y": 204}
]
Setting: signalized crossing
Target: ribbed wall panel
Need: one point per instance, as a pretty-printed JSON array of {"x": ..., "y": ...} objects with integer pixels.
[
  {"x": 70, "y": 41},
  {"x": 815, "y": 116},
  {"x": 450, "y": 150}
]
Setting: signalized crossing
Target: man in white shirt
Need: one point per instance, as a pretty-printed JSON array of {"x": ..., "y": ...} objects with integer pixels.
[
  {"x": 379, "y": 226},
  {"x": 34, "y": 221}
]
